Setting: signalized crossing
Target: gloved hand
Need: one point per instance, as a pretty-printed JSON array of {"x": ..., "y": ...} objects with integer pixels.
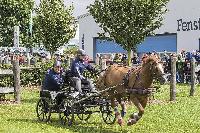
[
  {"x": 63, "y": 74},
  {"x": 82, "y": 77},
  {"x": 94, "y": 71}
]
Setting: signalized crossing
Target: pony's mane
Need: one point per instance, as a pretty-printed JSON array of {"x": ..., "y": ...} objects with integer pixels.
[{"x": 150, "y": 58}]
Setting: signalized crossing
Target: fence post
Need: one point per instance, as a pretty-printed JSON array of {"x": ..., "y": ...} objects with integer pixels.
[
  {"x": 173, "y": 79},
  {"x": 28, "y": 59},
  {"x": 192, "y": 90},
  {"x": 16, "y": 72}
]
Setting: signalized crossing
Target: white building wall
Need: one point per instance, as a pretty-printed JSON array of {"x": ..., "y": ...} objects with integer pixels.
[
  {"x": 187, "y": 10},
  {"x": 89, "y": 28}
]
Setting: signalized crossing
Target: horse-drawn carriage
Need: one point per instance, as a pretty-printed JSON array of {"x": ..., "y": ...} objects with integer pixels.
[
  {"x": 68, "y": 103},
  {"x": 115, "y": 83}
]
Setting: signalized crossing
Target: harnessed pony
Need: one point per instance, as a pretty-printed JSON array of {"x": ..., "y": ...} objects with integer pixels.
[{"x": 133, "y": 83}]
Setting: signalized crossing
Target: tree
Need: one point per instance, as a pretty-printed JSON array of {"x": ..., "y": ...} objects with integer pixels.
[
  {"x": 55, "y": 24},
  {"x": 14, "y": 12},
  {"x": 128, "y": 22}
]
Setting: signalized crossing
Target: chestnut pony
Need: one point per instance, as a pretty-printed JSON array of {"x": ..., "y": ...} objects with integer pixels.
[{"x": 133, "y": 83}]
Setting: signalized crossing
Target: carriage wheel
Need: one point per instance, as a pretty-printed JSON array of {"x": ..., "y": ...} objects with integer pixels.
[
  {"x": 66, "y": 112},
  {"x": 108, "y": 114},
  {"x": 84, "y": 114},
  {"x": 43, "y": 110}
]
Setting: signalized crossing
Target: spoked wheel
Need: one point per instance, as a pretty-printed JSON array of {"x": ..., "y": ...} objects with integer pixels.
[
  {"x": 84, "y": 114},
  {"x": 108, "y": 114},
  {"x": 43, "y": 110},
  {"x": 66, "y": 112}
]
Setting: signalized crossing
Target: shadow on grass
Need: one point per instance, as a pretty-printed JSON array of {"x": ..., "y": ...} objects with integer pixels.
[{"x": 80, "y": 127}]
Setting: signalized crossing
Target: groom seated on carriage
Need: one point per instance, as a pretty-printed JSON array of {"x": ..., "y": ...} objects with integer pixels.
[
  {"x": 77, "y": 68},
  {"x": 53, "y": 80}
]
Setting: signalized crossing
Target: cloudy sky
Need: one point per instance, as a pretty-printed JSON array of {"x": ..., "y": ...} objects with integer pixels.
[{"x": 79, "y": 5}]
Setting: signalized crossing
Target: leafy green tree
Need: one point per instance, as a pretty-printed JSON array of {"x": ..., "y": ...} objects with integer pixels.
[
  {"x": 14, "y": 12},
  {"x": 55, "y": 24},
  {"x": 128, "y": 22}
]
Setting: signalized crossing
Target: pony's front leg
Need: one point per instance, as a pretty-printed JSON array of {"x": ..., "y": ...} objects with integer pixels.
[
  {"x": 140, "y": 104},
  {"x": 114, "y": 104},
  {"x": 123, "y": 106}
]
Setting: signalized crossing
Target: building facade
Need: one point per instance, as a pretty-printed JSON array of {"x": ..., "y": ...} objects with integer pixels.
[{"x": 180, "y": 31}]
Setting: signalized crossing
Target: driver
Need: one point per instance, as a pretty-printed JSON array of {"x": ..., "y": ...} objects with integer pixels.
[{"x": 77, "y": 68}]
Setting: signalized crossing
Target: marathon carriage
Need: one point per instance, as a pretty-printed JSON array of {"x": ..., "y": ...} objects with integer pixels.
[
  {"x": 118, "y": 82},
  {"x": 68, "y": 103}
]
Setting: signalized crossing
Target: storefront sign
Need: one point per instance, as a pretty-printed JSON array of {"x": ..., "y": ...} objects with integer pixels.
[{"x": 188, "y": 25}]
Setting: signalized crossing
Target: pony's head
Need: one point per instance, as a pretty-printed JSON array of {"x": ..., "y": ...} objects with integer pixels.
[{"x": 156, "y": 67}]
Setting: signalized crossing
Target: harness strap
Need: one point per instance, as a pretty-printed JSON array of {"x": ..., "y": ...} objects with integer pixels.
[
  {"x": 126, "y": 77},
  {"x": 137, "y": 77},
  {"x": 140, "y": 91}
]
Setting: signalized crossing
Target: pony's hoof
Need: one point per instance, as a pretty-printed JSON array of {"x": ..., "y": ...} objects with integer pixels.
[
  {"x": 120, "y": 121},
  {"x": 131, "y": 122},
  {"x": 135, "y": 116}
]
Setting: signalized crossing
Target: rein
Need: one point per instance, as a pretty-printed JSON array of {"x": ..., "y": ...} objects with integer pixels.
[{"x": 99, "y": 93}]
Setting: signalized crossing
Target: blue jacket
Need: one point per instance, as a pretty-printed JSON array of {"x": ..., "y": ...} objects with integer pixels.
[
  {"x": 78, "y": 66},
  {"x": 52, "y": 81}
]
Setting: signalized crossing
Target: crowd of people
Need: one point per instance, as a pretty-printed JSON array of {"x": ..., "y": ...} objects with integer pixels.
[
  {"x": 183, "y": 60},
  {"x": 7, "y": 57},
  {"x": 183, "y": 65}
]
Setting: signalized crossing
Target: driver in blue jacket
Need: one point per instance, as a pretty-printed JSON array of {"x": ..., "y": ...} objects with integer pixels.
[{"x": 77, "y": 68}]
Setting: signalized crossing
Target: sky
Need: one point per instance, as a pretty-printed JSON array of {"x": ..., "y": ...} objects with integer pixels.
[{"x": 79, "y": 6}]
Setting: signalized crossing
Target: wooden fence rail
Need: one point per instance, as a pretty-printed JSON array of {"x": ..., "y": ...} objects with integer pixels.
[{"x": 15, "y": 73}]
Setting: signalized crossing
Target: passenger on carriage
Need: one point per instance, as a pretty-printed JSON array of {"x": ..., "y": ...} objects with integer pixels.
[
  {"x": 77, "y": 68},
  {"x": 53, "y": 79}
]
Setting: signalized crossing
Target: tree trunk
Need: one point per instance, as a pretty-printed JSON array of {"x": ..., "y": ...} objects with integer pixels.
[{"x": 129, "y": 57}]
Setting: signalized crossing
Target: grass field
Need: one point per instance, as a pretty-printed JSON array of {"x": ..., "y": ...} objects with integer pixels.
[{"x": 161, "y": 116}]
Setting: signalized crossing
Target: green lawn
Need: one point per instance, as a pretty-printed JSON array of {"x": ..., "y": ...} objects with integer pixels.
[{"x": 162, "y": 116}]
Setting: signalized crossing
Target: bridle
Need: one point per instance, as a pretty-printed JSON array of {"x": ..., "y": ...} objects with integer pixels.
[{"x": 153, "y": 70}]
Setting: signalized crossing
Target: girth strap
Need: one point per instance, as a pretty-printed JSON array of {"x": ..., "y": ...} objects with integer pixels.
[{"x": 140, "y": 91}]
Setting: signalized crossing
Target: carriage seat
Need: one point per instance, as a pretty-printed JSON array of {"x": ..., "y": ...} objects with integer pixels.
[
  {"x": 71, "y": 82},
  {"x": 50, "y": 94}
]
